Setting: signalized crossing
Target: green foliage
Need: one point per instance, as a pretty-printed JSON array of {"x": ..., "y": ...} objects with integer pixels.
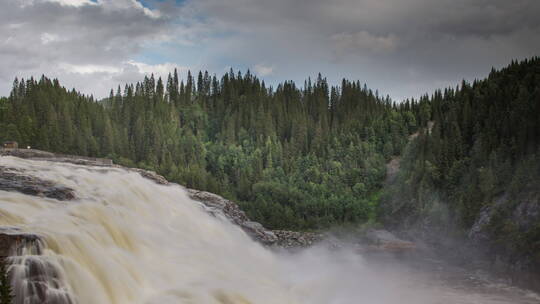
[
  {"x": 6, "y": 294},
  {"x": 483, "y": 150},
  {"x": 294, "y": 158}
]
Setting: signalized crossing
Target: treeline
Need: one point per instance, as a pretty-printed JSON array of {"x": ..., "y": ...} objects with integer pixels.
[
  {"x": 483, "y": 151},
  {"x": 297, "y": 158}
]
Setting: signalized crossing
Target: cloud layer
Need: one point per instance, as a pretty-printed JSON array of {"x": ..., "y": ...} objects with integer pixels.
[
  {"x": 403, "y": 48},
  {"x": 88, "y": 45}
]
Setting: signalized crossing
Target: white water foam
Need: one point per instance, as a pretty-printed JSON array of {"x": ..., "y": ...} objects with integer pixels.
[{"x": 126, "y": 239}]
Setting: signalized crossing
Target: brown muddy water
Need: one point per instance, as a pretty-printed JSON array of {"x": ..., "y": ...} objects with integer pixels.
[{"x": 127, "y": 240}]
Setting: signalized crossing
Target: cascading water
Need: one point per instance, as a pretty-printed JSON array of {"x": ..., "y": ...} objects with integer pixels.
[{"x": 126, "y": 239}]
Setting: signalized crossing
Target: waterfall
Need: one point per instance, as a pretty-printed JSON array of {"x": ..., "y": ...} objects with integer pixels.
[{"x": 126, "y": 239}]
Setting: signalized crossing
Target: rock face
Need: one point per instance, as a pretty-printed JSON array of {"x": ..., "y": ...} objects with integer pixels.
[
  {"x": 281, "y": 238},
  {"x": 13, "y": 242},
  {"x": 522, "y": 215},
  {"x": 525, "y": 215},
  {"x": 219, "y": 205},
  {"x": 15, "y": 180},
  {"x": 259, "y": 233}
]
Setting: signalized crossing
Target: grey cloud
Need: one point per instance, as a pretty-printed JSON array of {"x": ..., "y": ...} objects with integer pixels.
[
  {"x": 401, "y": 47},
  {"x": 44, "y": 37},
  {"x": 363, "y": 40},
  {"x": 393, "y": 45}
]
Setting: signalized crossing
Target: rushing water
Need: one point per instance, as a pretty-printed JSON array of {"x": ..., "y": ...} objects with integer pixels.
[{"x": 126, "y": 239}]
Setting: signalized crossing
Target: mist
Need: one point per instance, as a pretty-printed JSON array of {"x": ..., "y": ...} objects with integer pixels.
[{"x": 128, "y": 240}]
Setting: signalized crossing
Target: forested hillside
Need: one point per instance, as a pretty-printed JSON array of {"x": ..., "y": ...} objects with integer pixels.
[
  {"x": 297, "y": 158},
  {"x": 479, "y": 166},
  {"x": 312, "y": 156}
]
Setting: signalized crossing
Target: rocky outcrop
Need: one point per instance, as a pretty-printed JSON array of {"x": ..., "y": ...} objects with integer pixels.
[
  {"x": 527, "y": 214},
  {"x": 259, "y": 233},
  {"x": 13, "y": 242},
  {"x": 43, "y": 155},
  {"x": 146, "y": 174},
  {"x": 519, "y": 216},
  {"x": 16, "y": 180},
  {"x": 295, "y": 239},
  {"x": 385, "y": 241},
  {"x": 26, "y": 153},
  {"x": 218, "y": 205},
  {"x": 523, "y": 212}
]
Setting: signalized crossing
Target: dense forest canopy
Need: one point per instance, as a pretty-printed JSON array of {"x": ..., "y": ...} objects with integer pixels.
[
  {"x": 480, "y": 159},
  {"x": 293, "y": 157},
  {"x": 301, "y": 157},
  {"x": 484, "y": 142}
]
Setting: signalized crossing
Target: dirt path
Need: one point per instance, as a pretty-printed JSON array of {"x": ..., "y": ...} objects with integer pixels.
[{"x": 392, "y": 167}]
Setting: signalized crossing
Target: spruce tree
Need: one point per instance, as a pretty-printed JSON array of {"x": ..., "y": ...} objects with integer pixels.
[{"x": 6, "y": 294}]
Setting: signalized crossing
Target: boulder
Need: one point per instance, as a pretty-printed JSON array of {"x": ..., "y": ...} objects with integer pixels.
[
  {"x": 259, "y": 233},
  {"x": 385, "y": 241},
  {"x": 217, "y": 203},
  {"x": 15, "y": 180},
  {"x": 296, "y": 239}
]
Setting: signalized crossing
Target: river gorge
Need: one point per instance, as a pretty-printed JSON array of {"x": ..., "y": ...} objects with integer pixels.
[{"x": 121, "y": 238}]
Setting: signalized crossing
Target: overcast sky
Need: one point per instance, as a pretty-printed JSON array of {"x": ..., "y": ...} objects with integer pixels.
[{"x": 403, "y": 48}]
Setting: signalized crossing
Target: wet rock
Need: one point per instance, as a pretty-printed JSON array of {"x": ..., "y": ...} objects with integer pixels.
[
  {"x": 296, "y": 239},
  {"x": 216, "y": 204},
  {"x": 13, "y": 242},
  {"x": 478, "y": 232},
  {"x": 383, "y": 240},
  {"x": 146, "y": 174},
  {"x": 287, "y": 239},
  {"x": 34, "y": 279},
  {"x": 522, "y": 212},
  {"x": 26, "y": 153},
  {"x": 43, "y": 155},
  {"x": 258, "y": 232},
  {"x": 15, "y": 180},
  {"x": 527, "y": 213}
]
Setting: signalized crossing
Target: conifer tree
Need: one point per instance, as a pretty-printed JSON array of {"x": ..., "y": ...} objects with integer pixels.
[
  {"x": 6, "y": 294},
  {"x": 316, "y": 155}
]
